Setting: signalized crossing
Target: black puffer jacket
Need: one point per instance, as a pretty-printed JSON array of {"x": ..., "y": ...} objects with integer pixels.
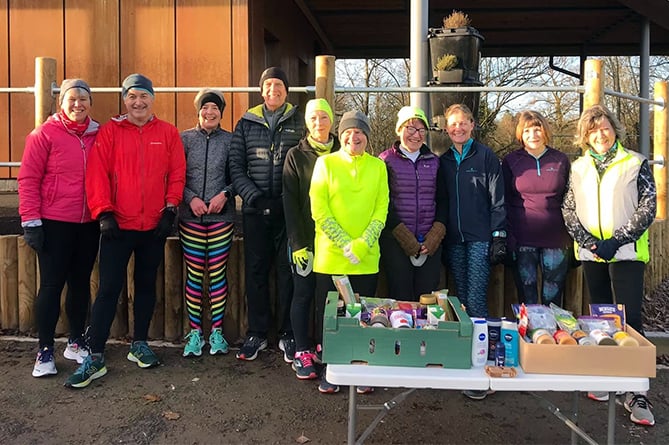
[{"x": 257, "y": 155}]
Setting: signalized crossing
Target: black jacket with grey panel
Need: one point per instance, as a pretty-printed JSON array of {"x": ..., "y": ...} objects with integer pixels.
[
  {"x": 207, "y": 173},
  {"x": 257, "y": 155}
]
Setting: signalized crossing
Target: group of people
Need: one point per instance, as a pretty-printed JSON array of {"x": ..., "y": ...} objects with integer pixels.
[{"x": 317, "y": 205}]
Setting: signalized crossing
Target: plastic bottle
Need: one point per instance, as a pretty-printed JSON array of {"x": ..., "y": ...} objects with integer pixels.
[
  {"x": 419, "y": 259},
  {"x": 494, "y": 331},
  {"x": 479, "y": 342},
  {"x": 510, "y": 342}
]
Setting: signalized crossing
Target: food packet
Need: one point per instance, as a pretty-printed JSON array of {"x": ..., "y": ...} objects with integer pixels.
[
  {"x": 590, "y": 323},
  {"x": 565, "y": 319},
  {"x": 614, "y": 311},
  {"x": 343, "y": 285},
  {"x": 540, "y": 317}
]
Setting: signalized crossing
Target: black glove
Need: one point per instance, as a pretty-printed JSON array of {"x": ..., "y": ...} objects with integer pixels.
[
  {"x": 109, "y": 227},
  {"x": 607, "y": 248},
  {"x": 34, "y": 237},
  {"x": 497, "y": 250},
  {"x": 263, "y": 204},
  {"x": 166, "y": 223}
]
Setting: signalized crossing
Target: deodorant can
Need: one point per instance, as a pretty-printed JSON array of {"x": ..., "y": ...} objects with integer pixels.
[
  {"x": 494, "y": 331},
  {"x": 479, "y": 342},
  {"x": 499, "y": 354}
]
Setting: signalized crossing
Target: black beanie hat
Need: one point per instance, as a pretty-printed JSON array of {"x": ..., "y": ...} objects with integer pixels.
[
  {"x": 209, "y": 95},
  {"x": 274, "y": 72},
  {"x": 137, "y": 81}
]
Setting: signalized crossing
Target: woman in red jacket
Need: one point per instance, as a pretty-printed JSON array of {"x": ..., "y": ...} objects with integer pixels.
[{"x": 56, "y": 220}]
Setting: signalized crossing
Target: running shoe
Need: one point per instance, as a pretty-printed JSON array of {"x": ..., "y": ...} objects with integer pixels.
[
  {"x": 217, "y": 343},
  {"x": 252, "y": 345},
  {"x": 303, "y": 365},
  {"x": 639, "y": 407},
  {"x": 194, "y": 344},
  {"x": 326, "y": 387},
  {"x": 364, "y": 389},
  {"x": 287, "y": 345},
  {"x": 76, "y": 350},
  {"x": 45, "y": 364},
  {"x": 92, "y": 368},
  {"x": 141, "y": 353},
  {"x": 477, "y": 394}
]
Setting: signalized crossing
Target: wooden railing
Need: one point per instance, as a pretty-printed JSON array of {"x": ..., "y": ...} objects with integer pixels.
[{"x": 19, "y": 280}]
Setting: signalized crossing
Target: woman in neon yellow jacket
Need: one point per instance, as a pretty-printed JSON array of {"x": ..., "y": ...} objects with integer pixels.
[{"x": 349, "y": 202}]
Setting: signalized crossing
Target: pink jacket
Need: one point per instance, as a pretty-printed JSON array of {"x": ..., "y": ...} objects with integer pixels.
[{"x": 52, "y": 175}]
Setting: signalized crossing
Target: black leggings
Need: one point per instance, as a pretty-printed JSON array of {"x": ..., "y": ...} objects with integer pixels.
[
  {"x": 68, "y": 257},
  {"x": 363, "y": 285},
  {"x": 114, "y": 257},
  {"x": 621, "y": 283}
]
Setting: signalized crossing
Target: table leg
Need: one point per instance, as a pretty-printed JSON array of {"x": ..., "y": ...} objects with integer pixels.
[
  {"x": 610, "y": 437},
  {"x": 574, "y": 416},
  {"x": 352, "y": 414}
]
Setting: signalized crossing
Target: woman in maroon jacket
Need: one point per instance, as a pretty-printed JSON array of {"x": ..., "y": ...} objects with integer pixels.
[
  {"x": 535, "y": 182},
  {"x": 56, "y": 220}
]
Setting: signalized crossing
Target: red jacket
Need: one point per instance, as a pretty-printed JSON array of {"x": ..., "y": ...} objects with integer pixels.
[
  {"x": 51, "y": 179},
  {"x": 135, "y": 172}
]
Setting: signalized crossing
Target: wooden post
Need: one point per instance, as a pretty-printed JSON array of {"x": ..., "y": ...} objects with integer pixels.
[
  {"x": 130, "y": 286},
  {"x": 157, "y": 326},
  {"x": 174, "y": 302},
  {"x": 63, "y": 325},
  {"x": 45, "y": 80},
  {"x": 235, "y": 275},
  {"x": 27, "y": 286},
  {"x": 593, "y": 83},
  {"x": 325, "y": 79},
  {"x": 660, "y": 122},
  {"x": 9, "y": 286}
]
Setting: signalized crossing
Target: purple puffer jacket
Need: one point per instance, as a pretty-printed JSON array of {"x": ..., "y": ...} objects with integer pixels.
[{"x": 413, "y": 189}]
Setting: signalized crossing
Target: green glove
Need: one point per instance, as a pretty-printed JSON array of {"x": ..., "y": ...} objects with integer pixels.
[{"x": 301, "y": 258}]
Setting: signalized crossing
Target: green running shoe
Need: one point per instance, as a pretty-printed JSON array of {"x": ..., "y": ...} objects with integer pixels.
[
  {"x": 141, "y": 354},
  {"x": 92, "y": 368},
  {"x": 217, "y": 343},
  {"x": 194, "y": 345}
]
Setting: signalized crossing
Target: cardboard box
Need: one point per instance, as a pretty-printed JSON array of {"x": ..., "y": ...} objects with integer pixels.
[
  {"x": 619, "y": 361},
  {"x": 345, "y": 341}
]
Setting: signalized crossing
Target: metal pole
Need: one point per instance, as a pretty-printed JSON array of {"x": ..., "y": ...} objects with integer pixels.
[
  {"x": 644, "y": 86},
  {"x": 418, "y": 46},
  {"x": 660, "y": 124}
]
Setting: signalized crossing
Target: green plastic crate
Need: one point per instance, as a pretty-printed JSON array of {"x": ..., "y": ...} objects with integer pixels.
[{"x": 448, "y": 346}]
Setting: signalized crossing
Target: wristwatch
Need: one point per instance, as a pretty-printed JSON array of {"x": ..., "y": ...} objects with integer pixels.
[
  {"x": 227, "y": 193},
  {"x": 499, "y": 234}
]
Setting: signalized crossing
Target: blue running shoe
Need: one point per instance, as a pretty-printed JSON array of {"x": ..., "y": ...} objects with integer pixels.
[
  {"x": 92, "y": 368},
  {"x": 194, "y": 345},
  {"x": 217, "y": 343},
  {"x": 141, "y": 354}
]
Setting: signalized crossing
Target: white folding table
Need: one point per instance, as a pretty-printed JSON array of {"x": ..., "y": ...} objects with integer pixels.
[{"x": 476, "y": 379}]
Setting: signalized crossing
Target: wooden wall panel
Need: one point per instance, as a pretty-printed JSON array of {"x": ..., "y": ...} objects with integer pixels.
[
  {"x": 35, "y": 30},
  {"x": 4, "y": 97},
  {"x": 147, "y": 47},
  {"x": 241, "y": 48},
  {"x": 204, "y": 54},
  {"x": 92, "y": 50}
]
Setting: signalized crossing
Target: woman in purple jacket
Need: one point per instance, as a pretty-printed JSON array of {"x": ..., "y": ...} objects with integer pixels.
[
  {"x": 411, "y": 240},
  {"x": 535, "y": 182},
  {"x": 56, "y": 220}
]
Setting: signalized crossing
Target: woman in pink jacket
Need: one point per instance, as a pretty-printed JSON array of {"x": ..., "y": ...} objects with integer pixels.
[{"x": 56, "y": 220}]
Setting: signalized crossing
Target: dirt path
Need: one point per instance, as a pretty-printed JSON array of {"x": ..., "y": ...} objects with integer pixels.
[{"x": 222, "y": 400}]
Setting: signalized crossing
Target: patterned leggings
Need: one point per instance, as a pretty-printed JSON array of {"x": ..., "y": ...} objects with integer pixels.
[
  {"x": 206, "y": 248},
  {"x": 470, "y": 266}
]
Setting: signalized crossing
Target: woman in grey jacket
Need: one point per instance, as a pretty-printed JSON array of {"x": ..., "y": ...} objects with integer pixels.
[{"x": 206, "y": 220}]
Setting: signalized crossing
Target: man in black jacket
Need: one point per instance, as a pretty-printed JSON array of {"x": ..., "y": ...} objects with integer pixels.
[{"x": 259, "y": 145}]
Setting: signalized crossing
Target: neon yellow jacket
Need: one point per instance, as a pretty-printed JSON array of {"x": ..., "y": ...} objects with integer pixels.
[{"x": 349, "y": 200}]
